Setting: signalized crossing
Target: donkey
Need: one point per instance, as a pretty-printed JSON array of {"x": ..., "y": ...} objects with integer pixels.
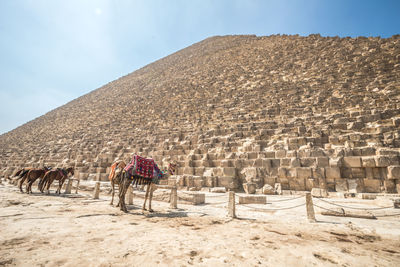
[
  {"x": 115, "y": 176},
  {"x": 59, "y": 174},
  {"x": 32, "y": 176}
]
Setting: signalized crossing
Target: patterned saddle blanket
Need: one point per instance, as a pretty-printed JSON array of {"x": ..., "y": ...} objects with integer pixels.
[{"x": 140, "y": 166}]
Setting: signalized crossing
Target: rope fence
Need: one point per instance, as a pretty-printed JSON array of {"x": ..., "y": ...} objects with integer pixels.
[{"x": 354, "y": 208}]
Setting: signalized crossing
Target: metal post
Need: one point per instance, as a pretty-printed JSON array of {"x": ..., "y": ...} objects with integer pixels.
[
  {"x": 231, "y": 205},
  {"x": 310, "y": 208}
]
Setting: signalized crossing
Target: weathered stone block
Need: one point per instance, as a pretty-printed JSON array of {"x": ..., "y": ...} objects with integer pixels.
[
  {"x": 341, "y": 185},
  {"x": 227, "y": 181},
  {"x": 249, "y": 188},
  {"x": 368, "y": 162},
  {"x": 352, "y": 162},
  {"x": 385, "y": 161},
  {"x": 210, "y": 181},
  {"x": 358, "y": 173},
  {"x": 295, "y": 162},
  {"x": 319, "y": 192},
  {"x": 322, "y": 162},
  {"x": 355, "y": 185},
  {"x": 332, "y": 173},
  {"x": 372, "y": 186},
  {"x": 298, "y": 184},
  {"x": 280, "y": 154},
  {"x": 303, "y": 172},
  {"x": 229, "y": 171},
  {"x": 268, "y": 190},
  {"x": 198, "y": 181},
  {"x": 218, "y": 190},
  {"x": 393, "y": 172},
  {"x": 257, "y": 199}
]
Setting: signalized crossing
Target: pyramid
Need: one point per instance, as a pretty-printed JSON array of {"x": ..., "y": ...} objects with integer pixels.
[{"x": 238, "y": 111}]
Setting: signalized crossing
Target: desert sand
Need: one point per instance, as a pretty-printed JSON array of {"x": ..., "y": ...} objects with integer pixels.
[{"x": 77, "y": 230}]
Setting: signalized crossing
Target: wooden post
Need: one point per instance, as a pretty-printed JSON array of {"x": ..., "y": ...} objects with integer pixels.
[
  {"x": 173, "y": 198},
  {"x": 77, "y": 187},
  {"x": 231, "y": 205},
  {"x": 68, "y": 187},
  {"x": 310, "y": 208},
  {"x": 130, "y": 195},
  {"x": 96, "y": 190}
]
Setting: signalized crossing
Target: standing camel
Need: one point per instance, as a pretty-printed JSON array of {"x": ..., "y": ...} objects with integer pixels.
[
  {"x": 59, "y": 174},
  {"x": 32, "y": 176},
  {"x": 115, "y": 176},
  {"x": 126, "y": 179}
]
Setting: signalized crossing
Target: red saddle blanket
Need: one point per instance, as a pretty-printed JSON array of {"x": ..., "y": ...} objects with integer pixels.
[{"x": 141, "y": 166}]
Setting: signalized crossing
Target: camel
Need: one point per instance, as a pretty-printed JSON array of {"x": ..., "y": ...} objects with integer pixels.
[
  {"x": 125, "y": 180},
  {"x": 32, "y": 176},
  {"x": 114, "y": 176},
  {"x": 59, "y": 174},
  {"x": 21, "y": 175}
]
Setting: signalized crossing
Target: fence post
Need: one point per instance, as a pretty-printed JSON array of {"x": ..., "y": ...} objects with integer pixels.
[
  {"x": 173, "y": 200},
  {"x": 77, "y": 186},
  {"x": 68, "y": 187},
  {"x": 310, "y": 208},
  {"x": 130, "y": 195},
  {"x": 231, "y": 205},
  {"x": 96, "y": 190}
]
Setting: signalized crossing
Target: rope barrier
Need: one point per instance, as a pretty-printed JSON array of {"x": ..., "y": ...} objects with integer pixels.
[
  {"x": 355, "y": 208},
  {"x": 262, "y": 209},
  {"x": 334, "y": 211},
  {"x": 287, "y": 199}
]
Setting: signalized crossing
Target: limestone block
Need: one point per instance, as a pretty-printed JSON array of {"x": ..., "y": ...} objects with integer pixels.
[
  {"x": 295, "y": 162},
  {"x": 372, "y": 186},
  {"x": 355, "y": 185},
  {"x": 280, "y": 154},
  {"x": 229, "y": 182},
  {"x": 188, "y": 171},
  {"x": 393, "y": 172},
  {"x": 297, "y": 184},
  {"x": 385, "y": 161},
  {"x": 218, "y": 190},
  {"x": 322, "y": 162},
  {"x": 341, "y": 185},
  {"x": 189, "y": 180},
  {"x": 259, "y": 163},
  {"x": 256, "y": 199},
  {"x": 332, "y": 173},
  {"x": 304, "y": 172},
  {"x": 307, "y": 162},
  {"x": 268, "y": 190},
  {"x": 210, "y": 181},
  {"x": 368, "y": 162},
  {"x": 282, "y": 172},
  {"x": 390, "y": 186},
  {"x": 358, "y": 173},
  {"x": 319, "y": 192},
  {"x": 249, "y": 188},
  {"x": 318, "y": 173},
  {"x": 336, "y": 162},
  {"x": 194, "y": 198},
  {"x": 352, "y": 162},
  {"x": 198, "y": 181},
  {"x": 285, "y": 162}
]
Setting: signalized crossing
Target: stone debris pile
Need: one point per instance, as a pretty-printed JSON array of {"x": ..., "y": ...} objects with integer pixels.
[{"x": 239, "y": 112}]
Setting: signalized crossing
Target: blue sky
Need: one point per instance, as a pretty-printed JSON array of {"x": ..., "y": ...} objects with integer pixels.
[{"x": 54, "y": 51}]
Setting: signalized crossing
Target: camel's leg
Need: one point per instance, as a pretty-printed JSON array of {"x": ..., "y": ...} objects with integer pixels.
[
  {"x": 61, "y": 183},
  {"x": 125, "y": 185},
  {"x": 49, "y": 182},
  {"x": 145, "y": 197},
  {"x": 113, "y": 191},
  {"x": 152, "y": 189},
  {"x": 30, "y": 186}
]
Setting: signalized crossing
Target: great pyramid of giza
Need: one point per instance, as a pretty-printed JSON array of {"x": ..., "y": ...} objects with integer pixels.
[{"x": 305, "y": 112}]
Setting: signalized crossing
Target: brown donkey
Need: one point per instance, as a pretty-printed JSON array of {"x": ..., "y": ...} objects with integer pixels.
[
  {"x": 59, "y": 174},
  {"x": 32, "y": 176},
  {"x": 115, "y": 176}
]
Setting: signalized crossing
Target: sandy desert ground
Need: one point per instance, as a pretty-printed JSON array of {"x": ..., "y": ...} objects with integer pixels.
[{"x": 76, "y": 230}]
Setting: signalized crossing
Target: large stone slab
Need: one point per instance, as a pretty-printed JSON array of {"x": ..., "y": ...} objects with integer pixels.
[{"x": 254, "y": 199}]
